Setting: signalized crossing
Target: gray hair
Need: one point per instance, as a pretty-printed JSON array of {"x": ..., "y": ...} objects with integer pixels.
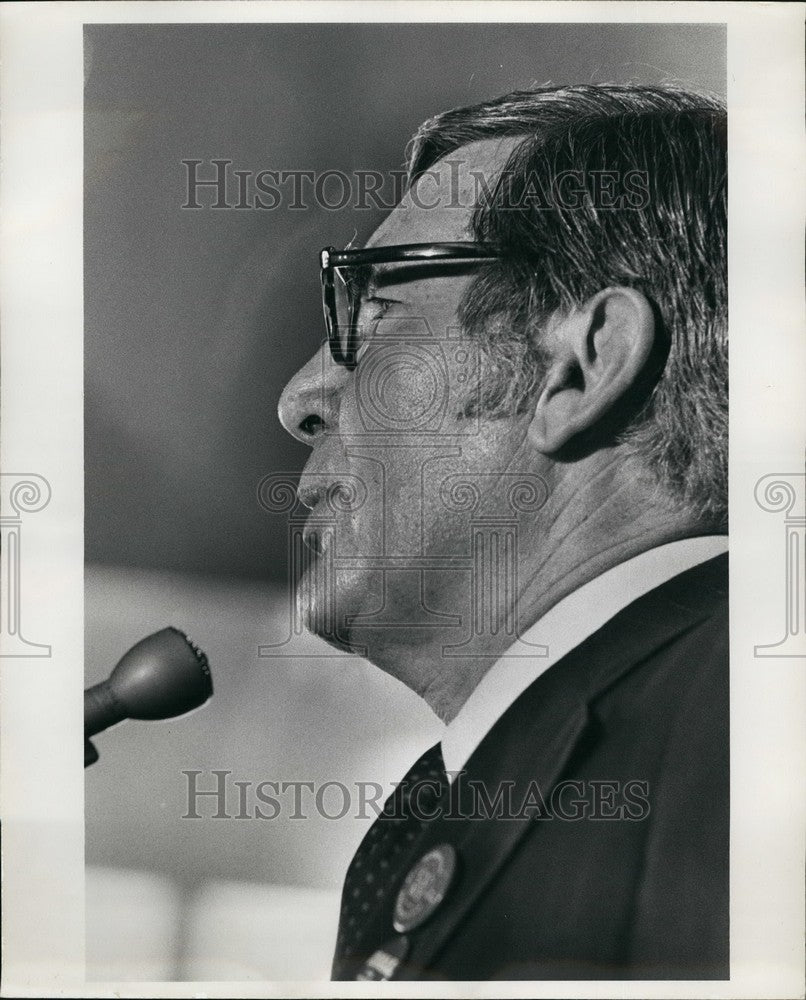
[{"x": 671, "y": 246}]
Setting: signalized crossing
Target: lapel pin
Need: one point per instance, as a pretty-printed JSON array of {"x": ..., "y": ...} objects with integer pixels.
[{"x": 424, "y": 887}]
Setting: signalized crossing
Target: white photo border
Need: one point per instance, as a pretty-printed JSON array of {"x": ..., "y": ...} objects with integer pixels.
[{"x": 42, "y": 434}]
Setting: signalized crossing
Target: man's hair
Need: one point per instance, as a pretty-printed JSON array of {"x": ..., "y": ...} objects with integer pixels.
[{"x": 563, "y": 238}]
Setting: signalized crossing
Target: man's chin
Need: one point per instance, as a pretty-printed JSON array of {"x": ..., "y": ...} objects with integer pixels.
[{"x": 318, "y": 613}]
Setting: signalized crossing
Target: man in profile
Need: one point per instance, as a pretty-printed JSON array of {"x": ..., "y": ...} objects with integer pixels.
[{"x": 518, "y": 493}]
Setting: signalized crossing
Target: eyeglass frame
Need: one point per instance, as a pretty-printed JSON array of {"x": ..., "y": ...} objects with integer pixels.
[{"x": 331, "y": 260}]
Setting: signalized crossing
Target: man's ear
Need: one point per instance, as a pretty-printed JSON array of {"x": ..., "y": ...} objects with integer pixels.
[{"x": 599, "y": 356}]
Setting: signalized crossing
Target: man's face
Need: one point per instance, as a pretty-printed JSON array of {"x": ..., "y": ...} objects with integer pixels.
[{"x": 400, "y": 478}]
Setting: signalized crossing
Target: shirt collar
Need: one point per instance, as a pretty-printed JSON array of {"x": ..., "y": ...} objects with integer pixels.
[{"x": 560, "y": 630}]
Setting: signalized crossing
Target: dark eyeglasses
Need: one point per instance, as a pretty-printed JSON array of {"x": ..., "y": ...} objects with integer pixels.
[{"x": 345, "y": 278}]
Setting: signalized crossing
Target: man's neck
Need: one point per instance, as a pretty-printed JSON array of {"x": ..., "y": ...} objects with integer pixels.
[{"x": 581, "y": 533}]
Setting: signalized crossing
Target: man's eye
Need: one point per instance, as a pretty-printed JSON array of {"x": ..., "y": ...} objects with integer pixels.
[
  {"x": 379, "y": 307},
  {"x": 372, "y": 311}
]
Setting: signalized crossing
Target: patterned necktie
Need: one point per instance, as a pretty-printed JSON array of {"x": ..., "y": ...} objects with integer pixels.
[{"x": 382, "y": 860}]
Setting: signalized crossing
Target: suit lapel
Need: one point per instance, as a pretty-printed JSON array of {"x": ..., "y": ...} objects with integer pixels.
[
  {"x": 533, "y": 741},
  {"x": 483, "y": 846}
]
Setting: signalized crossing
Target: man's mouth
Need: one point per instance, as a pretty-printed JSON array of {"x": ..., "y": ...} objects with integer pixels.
[{"x": 325, "y": 500}]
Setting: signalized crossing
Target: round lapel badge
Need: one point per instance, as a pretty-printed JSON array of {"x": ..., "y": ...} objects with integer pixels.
[{"x": 424, "y": 888}]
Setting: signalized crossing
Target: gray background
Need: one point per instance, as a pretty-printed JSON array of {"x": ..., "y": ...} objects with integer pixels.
[
  {"x": 194, "y": 322},
  {"x": 196, "y": 319}
]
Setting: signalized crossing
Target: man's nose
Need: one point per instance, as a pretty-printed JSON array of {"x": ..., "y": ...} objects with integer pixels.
[{"x": 309, "y": 404}]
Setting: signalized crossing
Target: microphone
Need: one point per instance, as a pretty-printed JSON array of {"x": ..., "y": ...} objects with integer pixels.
[{"x": 163, "y": 676}]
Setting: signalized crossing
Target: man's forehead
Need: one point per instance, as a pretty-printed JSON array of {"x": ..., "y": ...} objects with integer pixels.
[{"x": 439, "y": 208}]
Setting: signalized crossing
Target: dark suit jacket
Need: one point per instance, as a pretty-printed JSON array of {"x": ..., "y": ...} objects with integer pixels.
[{"x": 621, "y": 870}]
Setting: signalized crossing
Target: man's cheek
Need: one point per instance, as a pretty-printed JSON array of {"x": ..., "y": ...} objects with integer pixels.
[
  {"x": 402, "y": 388},
  {"x": 411, "y": 391},
  {"x": 359, "y": 590}
]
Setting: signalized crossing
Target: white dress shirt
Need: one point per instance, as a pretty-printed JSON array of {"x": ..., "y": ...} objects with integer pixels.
[{"x": 560, "y": 630}]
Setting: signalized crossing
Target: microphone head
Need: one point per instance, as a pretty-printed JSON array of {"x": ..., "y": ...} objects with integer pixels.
[{"x": 163, "y": 676}]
